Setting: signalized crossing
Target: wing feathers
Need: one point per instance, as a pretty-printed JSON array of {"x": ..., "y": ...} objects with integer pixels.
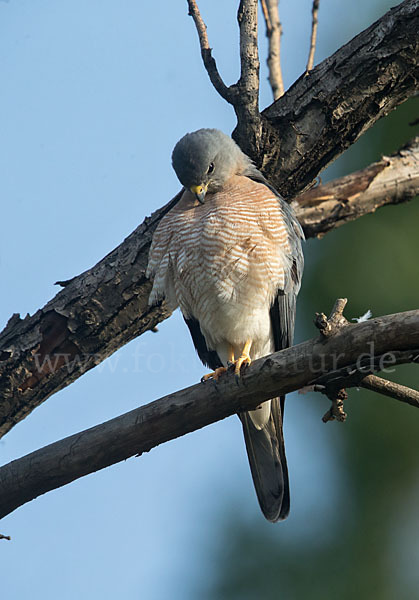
[{"x": 208, "y": 357}]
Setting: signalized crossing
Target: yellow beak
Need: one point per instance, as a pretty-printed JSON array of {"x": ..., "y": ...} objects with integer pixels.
[{"x": 199, "y": 192}]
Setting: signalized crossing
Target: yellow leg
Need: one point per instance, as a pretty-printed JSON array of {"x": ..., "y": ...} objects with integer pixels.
[
  {"x": 244, "y": 358},
  {"x": 230, "y": 360}
]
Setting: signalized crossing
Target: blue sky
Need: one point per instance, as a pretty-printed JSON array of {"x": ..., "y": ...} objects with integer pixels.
[{"x": 94, "y": 96}]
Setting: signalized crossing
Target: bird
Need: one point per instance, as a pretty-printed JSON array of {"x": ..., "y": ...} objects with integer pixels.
[{"x": 229, "y": 254}]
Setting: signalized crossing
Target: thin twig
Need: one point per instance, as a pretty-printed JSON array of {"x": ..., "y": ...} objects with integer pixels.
[
  {"x": 266, "y": 14},
  {"x": 391, "y": 389},
  {"x": 5, "y": 537},
  {"x": 313, "y": 39},
  {"x": 228, "y": 93},
  {"x": 274, "y": 32}
]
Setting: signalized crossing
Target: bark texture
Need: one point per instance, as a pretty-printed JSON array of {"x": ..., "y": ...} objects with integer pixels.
[{"x": 340, "y": 357}]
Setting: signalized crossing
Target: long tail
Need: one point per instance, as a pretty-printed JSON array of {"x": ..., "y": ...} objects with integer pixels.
[{"x": 268, "y": 463}]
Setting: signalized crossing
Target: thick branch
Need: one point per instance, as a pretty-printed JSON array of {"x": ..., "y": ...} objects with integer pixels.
[
  {"x": 95, "y": 314},
  {"x": 392, "y": 180},
  {"x": 334, "y": 386},
  {"x": 248, "y": 83},
  {"x": 246, "y": 106},
  {"x": 362, "y": 347}
]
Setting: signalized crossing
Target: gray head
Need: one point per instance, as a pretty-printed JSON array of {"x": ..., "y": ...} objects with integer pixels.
[{"x": 205, "y": 159}]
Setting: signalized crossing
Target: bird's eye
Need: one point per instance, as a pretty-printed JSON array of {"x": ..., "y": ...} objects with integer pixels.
[{"x": 210, "y": 168}]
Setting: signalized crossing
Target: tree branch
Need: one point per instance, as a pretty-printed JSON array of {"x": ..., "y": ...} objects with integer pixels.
[
  {"x": 391, "y": 389},
  {"x": 313, "y": 38},
  {"x": 246, "y": 105},
  {"x": 96, "y": 313},
  {"x": 228, "y": 93},
  {"x": 270, "y": 9},
  {"x": 392, "y": 180},
  {"x": 243, "y": 95},
  {"x": 353, "y": 350},
  {"x": 334, "y": 387},
  {"x": 248, "y": 84}
]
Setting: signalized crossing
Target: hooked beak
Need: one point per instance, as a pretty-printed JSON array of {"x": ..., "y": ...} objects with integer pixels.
[{"x": 199, "y": 192}]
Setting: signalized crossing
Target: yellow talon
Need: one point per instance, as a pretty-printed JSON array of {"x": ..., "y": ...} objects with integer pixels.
[
  {"x": 214, "y": 375},
  {"x": 244, "y": 358}
]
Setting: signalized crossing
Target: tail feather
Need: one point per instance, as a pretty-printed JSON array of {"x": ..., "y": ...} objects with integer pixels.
[{"x": 268, "y": 464}]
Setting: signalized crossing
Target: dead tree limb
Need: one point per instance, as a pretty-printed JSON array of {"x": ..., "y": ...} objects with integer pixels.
[
  {"x": 391, "y": 389},
  {"x": 392, "y": 180},
  {"x": 353, "y": 351},
  {"x": 334, "y": 387},
  {"x": 225, "y": 92},
  {"x": 96, "y": 313}
]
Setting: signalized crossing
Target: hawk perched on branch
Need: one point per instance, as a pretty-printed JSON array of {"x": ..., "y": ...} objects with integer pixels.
[{"x": 229, "y": 255}]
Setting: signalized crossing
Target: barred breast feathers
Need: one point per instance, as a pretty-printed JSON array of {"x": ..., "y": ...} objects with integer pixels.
[{"x": 239, "y": 240}]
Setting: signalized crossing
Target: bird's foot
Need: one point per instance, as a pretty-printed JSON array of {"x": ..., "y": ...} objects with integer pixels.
[
  {"x": 243, "y": 360},
  {"x": 214, "y": 375}
]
